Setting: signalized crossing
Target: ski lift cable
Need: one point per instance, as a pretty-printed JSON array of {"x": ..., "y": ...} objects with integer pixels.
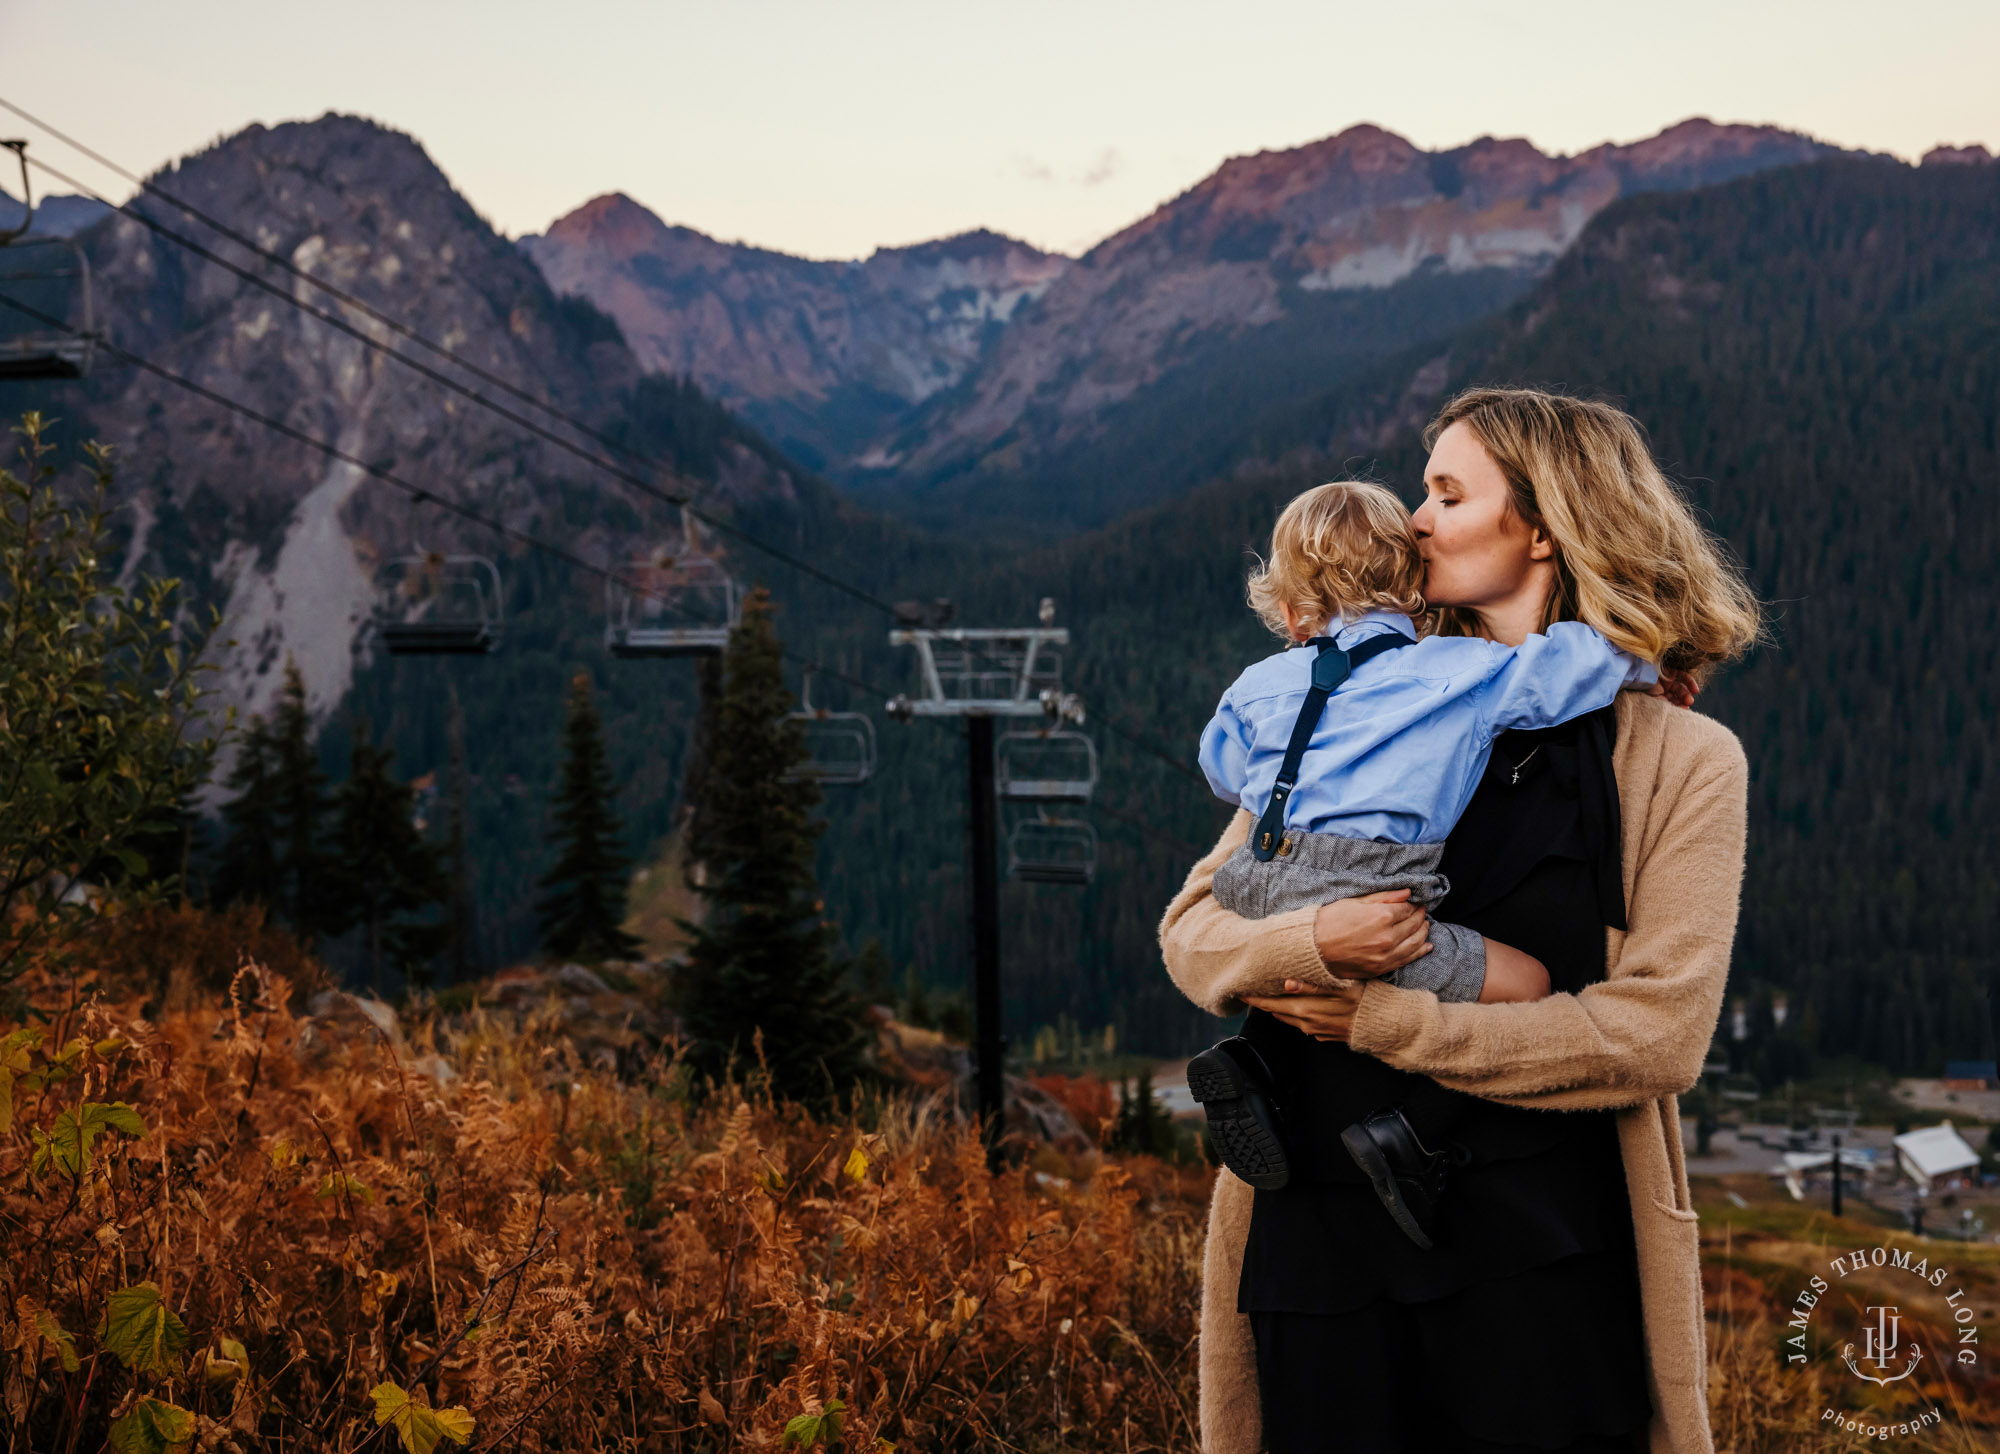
[
  {"x": 417, "y": 493},
  {"x": 404, "y": 330},
  {"x": 332, "y": 290},
  {"x": 420, "y": 494},
  {"x": 361, "y": 335}
]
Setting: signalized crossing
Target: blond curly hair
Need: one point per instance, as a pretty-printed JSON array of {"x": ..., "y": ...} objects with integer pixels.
[{"x": 1337, "y": 551}]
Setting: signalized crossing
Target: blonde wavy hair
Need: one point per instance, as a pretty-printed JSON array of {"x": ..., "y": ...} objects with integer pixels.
[
  {"x": 1631, "y": 558},
  {"x": 1339, "y": 550}
]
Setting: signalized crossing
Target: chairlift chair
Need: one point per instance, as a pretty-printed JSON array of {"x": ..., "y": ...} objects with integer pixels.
[
  {"x": 52, "y": 276},
  {"x": 705, "y": 601},
  {"x": 841, "y": 744},
  {"x": 1050, "y": 850},
  {"x": 1054, "y": 765},
  {"x": 433, "y": 604}
]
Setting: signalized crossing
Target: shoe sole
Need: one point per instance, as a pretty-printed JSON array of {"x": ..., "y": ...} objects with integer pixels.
[
  {"x": 1247, "y": 1145},
  {"x": 1368, "y": 1156}
]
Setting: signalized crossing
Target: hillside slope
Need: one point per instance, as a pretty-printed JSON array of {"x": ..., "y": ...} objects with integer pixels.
[{"x": 1816, "y": 352}]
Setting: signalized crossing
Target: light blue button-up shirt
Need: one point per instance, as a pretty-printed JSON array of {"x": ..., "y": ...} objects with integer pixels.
[{"x": 1403, "y": 741}]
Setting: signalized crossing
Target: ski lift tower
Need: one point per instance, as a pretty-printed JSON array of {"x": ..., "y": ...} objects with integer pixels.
[{"x": 980, "y": 673}]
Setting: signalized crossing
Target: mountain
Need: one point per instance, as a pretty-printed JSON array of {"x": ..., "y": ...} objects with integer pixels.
[
  {"x": 977, "y": 382},
  {"x": 1816, "y": 350},
  {"x": 59, "y": 216},
  {"x": 1816, "y": 354},
  {"x": 823, "y": 356},
  {"x": 286, "y": 541},
  {"x": 1139, "y": 370},
  {"x": 295, "y": 549}
]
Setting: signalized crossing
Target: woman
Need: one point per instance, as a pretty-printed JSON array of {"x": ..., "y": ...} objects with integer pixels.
[{"x": 1562, "y": 1305}]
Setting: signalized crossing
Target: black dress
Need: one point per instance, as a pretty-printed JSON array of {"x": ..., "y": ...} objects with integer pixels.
[{"x": 1521, "y": 1329}]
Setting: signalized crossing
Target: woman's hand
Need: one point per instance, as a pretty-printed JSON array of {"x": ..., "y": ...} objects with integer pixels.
[
  {"x": 1372, "y": 935},
  {"x": 1320, "y": 1014}
]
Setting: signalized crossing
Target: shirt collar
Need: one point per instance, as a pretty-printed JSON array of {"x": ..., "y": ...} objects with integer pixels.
[{"x": 1357, "y": 628}]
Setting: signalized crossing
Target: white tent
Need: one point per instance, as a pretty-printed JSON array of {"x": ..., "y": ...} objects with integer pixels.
[{"x": 1933, "y": 1152}]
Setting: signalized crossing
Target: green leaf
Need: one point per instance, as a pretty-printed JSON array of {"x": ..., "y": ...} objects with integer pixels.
[
  {"x": 65, "y": 1345},
  {"x": 419, "y": 1428},
  {"x": 809, "y": 1431},
  {"x": 334, "y": 1183},
  {"x": 152, "y": 1426},
  {"x": 14, "y": 1062},
  {"x": 68, "y": 1144},
  {"x": 115, "y": 1116},
  {"x": 141, "y": 1330},
  {"x": 226, "y": 1362}
]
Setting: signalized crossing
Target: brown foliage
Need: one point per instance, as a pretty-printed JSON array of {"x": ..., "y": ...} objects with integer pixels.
[
  {"x": 1086, "y": 1097},
  {"x": 178, "y": 957},
  {"x": 580, "y": 1263}
]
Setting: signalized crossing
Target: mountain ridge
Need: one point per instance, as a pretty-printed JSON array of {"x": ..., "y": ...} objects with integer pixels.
[
  {"x": 821, "y": 355},
  {"x": 1279, "y": 272}
]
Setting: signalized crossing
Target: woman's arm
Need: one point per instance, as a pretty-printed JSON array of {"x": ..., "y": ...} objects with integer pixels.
[
  {"x": 1216, "y": 957},
  {"x": 1641, "y": 1034}
]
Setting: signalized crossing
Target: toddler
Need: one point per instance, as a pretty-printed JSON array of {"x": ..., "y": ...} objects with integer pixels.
[{"x": 1358, "y": 749}]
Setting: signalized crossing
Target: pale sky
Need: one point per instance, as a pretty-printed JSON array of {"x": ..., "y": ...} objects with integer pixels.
[{"x": 828, "y": 129}]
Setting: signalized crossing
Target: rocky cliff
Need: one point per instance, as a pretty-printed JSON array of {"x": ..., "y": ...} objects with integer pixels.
[{"x": 824, "y": 356}]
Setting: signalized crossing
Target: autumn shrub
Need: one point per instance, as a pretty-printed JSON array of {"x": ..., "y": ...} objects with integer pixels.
[
  {"x": 225, "y": 1234},
  {"x": 179, "y": 956},
  {"x": 240, "y": 1245}
]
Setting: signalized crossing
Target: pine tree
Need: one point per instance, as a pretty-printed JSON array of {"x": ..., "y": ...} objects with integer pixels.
[
  {"x": 694, "y": 820},
  {"x": 1143, "y": 1124},
  {"x": 246, "y": 865},
  {"x": 869, "y": 973},
  {"x": 306, "y": 895},
  {"x": 583, "y": 901},
  {"x": 460, "y": 916},
  {"x": 385, "y": 873},
  {"x": 763, "y": 959}
]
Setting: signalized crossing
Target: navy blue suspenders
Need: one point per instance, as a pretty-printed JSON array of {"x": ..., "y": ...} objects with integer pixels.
[{"x": 1330, "y": 668}]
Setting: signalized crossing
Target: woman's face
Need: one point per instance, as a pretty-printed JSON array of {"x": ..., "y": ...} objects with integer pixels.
[{"x": 1479, "y": 554}]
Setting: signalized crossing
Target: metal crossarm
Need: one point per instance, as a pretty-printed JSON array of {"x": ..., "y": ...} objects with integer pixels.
[{"x": 982, "y": 671}]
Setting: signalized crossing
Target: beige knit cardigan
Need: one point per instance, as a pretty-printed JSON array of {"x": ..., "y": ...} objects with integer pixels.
[{"x": 1630, "y": 1043}]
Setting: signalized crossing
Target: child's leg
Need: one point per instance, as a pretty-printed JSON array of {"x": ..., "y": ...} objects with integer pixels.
[{"x": 1455, "y": 970}]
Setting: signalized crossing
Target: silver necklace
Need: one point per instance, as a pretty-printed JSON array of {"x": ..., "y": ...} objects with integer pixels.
[{"x": 1515, "y": 780}]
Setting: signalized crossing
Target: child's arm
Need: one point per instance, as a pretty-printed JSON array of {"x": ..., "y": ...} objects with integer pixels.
[
  {"x": 1512, "y": 975},
  {"x": 1559, "y": 675},
  {"x": 1225, "y": 752}
]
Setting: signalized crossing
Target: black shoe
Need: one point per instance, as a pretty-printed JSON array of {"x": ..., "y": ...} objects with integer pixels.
[
  {"x": 1408, "y": 1178},
  {"x": 1234, "y": 1086}
]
